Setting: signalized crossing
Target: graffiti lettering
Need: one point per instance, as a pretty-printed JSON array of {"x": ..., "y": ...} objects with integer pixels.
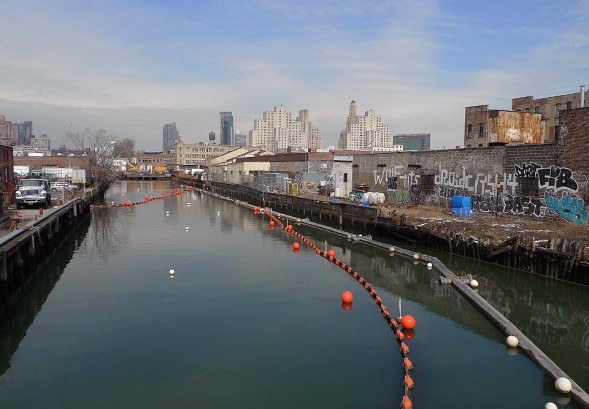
[
  {"x": 402, "y": 196},
  {"x": 522, "y": 205},
  {"x": 527, "y": 170},
  {"x": 556, "y": 178},
  {"x": 569, "y": 208}
]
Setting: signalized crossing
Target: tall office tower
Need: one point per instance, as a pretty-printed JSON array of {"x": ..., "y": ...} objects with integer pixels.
[
  {"x": 170, "y": 136},
  {"x": 227, "y": 136},
  {"x": 277, "y": 131},
  {"x": 364, "y": 132},
  {"x": 25, "y": 130}
]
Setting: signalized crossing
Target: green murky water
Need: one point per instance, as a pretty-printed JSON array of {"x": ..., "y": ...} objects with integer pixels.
[{"x": 246, "y": 322}]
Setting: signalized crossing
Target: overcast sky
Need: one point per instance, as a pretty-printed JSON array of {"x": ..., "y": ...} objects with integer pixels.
[{"x": 132, "y": 66}]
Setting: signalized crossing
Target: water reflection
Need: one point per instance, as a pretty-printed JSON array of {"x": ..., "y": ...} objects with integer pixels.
[
  {"x": 555, "y": 315},
  {"x": 14, "y": 328}
]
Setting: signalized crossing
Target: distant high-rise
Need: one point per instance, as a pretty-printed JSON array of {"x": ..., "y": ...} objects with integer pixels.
[
  {"x": 8, "y": 132},
  {"x": 413, "y": 142},
  {"x": 170, "y": 136},
  {"x": 364, "y": 132},
  {"x": 240, "y": 139},
  {"x": 278, "y": 131},
  {"x": 25, "y": 130},
  {"x": 41, "y": 143},
  {"x": 227, "y": 135}
]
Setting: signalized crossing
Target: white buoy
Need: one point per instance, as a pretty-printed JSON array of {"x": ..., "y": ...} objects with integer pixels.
[
  {"x": 429, "y": 266},
  {"x": 187, "y": 228},
  {"x": 512, "y": 341},
  {"x": 563, "y": 385},
  {"x": 416, "y": 256},
  {"x": 392, "y": 249},
  {"x": 474, "y": 283},
  {"x": 172, "y": 272},
  {"x": 188, "y": 204},
  {"x": 349, "y": 237},
  {"x": 550, "y": 405},
  {"x": 218, "y": 212}
]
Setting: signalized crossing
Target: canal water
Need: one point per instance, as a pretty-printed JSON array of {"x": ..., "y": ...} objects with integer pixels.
[{"x": 246, "y": 322}]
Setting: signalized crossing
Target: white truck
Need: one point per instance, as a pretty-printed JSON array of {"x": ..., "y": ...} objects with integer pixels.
[{"x": 33, "y": 191}]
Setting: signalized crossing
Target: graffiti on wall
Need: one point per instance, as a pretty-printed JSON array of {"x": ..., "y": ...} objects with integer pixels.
[{"x": 554, "y": 190}]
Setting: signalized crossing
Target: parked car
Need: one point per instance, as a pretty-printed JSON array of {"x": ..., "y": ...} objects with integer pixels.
[{"x": 33, "y": 191}]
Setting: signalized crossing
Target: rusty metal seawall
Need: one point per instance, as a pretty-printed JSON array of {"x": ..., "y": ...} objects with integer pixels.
[{"x": 24, "y": 252}]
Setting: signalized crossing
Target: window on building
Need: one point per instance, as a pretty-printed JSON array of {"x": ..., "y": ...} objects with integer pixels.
[
  {"x": 469, "y": 131},
  {"x": 481, "y": 129},
  {"x": 569, "y": 104},
  {"x": 557, "y": 109},
  {"x": 536, "y": 109},
  {"x": 480, "y": 145}
]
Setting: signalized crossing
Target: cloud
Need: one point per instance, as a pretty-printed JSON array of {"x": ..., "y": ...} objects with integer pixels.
[{"x": 131, "y": 67}]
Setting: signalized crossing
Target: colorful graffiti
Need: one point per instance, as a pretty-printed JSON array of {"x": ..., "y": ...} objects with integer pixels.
[
  {"x": 569, "y": 208},
  {"x": 553, "y": 190}
]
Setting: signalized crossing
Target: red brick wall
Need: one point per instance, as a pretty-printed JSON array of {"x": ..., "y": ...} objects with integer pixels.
[{"x": 575, "y": 139}]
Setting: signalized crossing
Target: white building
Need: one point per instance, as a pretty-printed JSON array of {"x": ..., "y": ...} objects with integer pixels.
[
  {"x": 278, "y": 131},
  {"x": 364, "y": 132}
]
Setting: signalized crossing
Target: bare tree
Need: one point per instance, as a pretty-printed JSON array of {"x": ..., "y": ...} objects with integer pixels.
[
  {"x": 100, "y": 145},
  {"x": 125, "y": 148}
]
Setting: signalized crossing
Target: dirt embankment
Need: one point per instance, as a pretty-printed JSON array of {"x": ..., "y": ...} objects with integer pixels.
[{"x": 487, "y": 226}]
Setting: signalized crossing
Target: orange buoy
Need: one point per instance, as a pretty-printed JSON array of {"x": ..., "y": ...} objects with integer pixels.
[
  {"x": 289, "y": 227},
  {"x": 272, "y": 223},
  {"x": 408, "y": 322},
  {"x": 409, "y": 382},
  {"x": 296, "y": 245},
  {"x": 346, "y": 306},
  {"x": 406, "y": 403},
  {"x": 347, "y": 296},
  {"x": 331, "y": 253},
  {"x": 256, "y": 210},
  {"x": 407, "y": 364}
]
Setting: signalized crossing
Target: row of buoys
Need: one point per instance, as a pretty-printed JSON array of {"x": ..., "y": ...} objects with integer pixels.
[
  {"x": 407, "y": 322},
  {"x": 146, "y": 199}
]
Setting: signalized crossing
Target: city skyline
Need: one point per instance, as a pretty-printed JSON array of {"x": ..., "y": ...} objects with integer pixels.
[{"x": 418, "y": 64}]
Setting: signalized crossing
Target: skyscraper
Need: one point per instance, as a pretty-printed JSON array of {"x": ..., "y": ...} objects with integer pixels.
[
  {"x": 227, "y": 135},
  {"x": 278, "y": 131},
  {"x": 170, "y": 136},
  {"x": 25, "y": 130},
  {"x": 364, "y": 132}
]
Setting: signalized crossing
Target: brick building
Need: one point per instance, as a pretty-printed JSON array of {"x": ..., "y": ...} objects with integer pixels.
[
  {"x": 7, "y": 186},
  {"x": 574, "y": 132},
  {"x": 156, "y": 159},
  {"x": 550, "y": 108},
  {"x": 488, "y": 127}
]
